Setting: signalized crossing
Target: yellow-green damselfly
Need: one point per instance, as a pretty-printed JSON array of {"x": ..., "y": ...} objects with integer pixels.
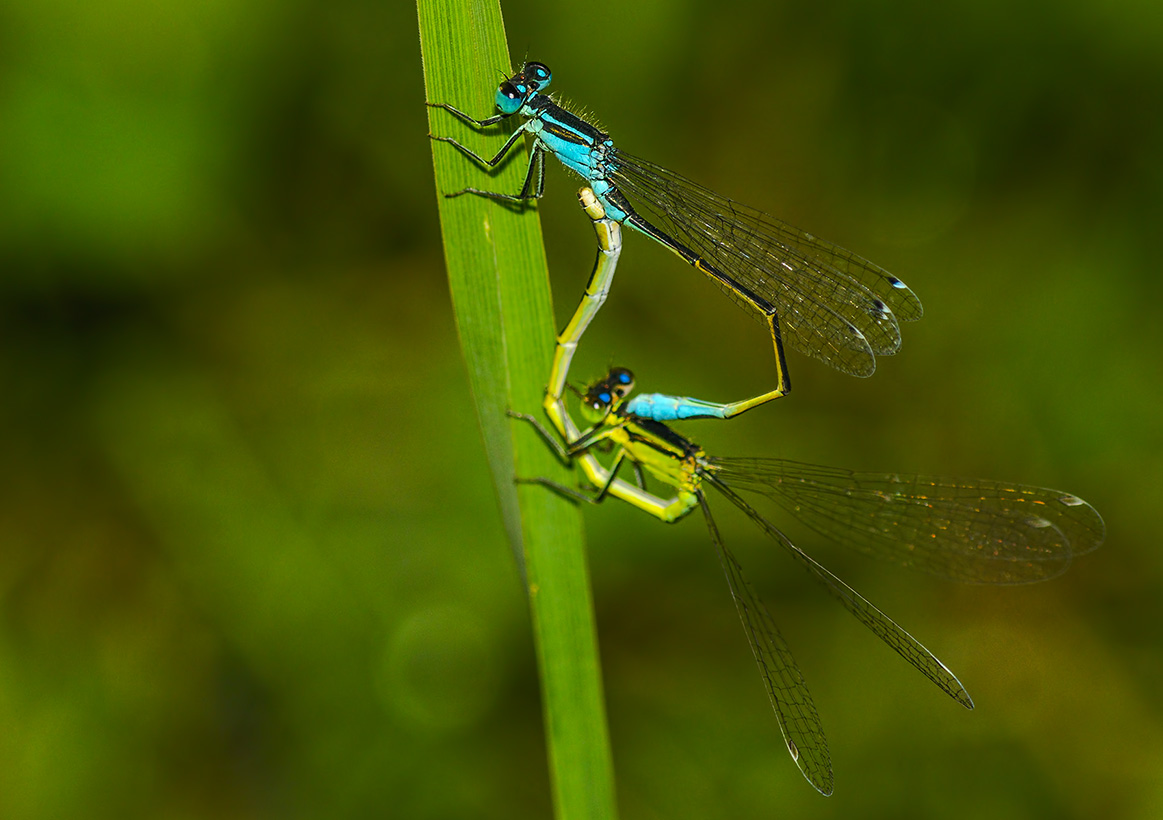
[{"x": 975, "y": 531}]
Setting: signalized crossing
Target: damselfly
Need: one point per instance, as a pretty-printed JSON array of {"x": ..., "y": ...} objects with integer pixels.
[
  {"x": 966, "y": 530},
  {"x": 821, "y": 299}
]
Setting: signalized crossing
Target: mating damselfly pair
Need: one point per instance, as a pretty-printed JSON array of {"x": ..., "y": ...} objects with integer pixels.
[{"x": 821, "y": 300}]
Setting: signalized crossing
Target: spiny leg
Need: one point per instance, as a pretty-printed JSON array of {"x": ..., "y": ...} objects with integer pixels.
[
  {"x": 487, "y": 121},
  {"x": 578, "y": 495},
  {"x": 560, "y": 449},
  {"x": 535, "y": 161}
]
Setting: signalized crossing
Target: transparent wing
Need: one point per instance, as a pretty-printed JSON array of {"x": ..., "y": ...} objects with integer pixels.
[
  {"x": 798, "y": 719},
  {"x": 831, "y": 304},
  {"x": 881, "y": 625},
  {"x": 966, "y": 530}
]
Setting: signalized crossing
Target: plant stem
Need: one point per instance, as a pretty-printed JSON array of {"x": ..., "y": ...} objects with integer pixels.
[{"x": 500, "y": 292}]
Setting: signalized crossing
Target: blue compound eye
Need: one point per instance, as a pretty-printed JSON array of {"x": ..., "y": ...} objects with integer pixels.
[
  {"x": 621, "y": 381},
  {"x": 509, "y": 98},
  {"x": 539, "y": 73},
  {"x": 599, "y": 401}
]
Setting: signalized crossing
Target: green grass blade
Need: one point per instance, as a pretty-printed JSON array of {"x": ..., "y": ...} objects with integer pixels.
[{"x": 500, "y": 291}]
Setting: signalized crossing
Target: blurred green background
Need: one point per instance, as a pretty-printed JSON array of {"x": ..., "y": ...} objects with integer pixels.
[{"x": 252, "y": 566}]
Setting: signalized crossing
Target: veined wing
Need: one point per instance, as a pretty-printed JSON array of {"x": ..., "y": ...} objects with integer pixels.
[
  {"x": 861, "y": 608},
  {"x": 798, "y": 719},
  {"x": 832, "y": 304},
  {"x": 966, "y": 530}
]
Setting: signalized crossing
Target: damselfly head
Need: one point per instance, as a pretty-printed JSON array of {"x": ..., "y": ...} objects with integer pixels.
[
  {"x": 603, "y": 397},
  {"x": 515, "y": 91}
]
